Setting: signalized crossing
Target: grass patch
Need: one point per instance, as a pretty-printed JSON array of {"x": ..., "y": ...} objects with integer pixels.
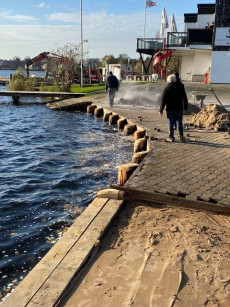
[
  {"x": 87, "y": 88},
  {"x": 76, "y": 88}
]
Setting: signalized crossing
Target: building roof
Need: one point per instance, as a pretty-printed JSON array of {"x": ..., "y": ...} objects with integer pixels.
[
  {"x": 190, "y": 18},
  {"x": 203, "y": 9},
  {"x": 206, "y": 8}
]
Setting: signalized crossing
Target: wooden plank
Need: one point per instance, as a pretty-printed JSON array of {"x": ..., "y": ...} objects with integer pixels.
[
  {"x": 63, "y": 105},
  {"x": 40, "y": 94},
  {"x": 54, "y": 288},
  {"x": 41, "y": 272},
  {"x": 174, "y": 201}
]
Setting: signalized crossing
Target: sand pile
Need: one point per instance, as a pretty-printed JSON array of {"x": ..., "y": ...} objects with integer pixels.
[
  {"x": 192, "y": 109},
  {"x": 212, "y": 117}
]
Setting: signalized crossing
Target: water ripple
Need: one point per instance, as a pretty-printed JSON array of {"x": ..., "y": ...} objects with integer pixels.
[{"x": 52, "y": 164}]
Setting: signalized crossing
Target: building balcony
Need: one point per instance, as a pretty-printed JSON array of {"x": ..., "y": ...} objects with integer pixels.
[
  {"x": 200, "y": 37},
  {"x": 191, "y": 37},
  {"x": 149, "y": 45},
  {"x": 177, "y": 39}
]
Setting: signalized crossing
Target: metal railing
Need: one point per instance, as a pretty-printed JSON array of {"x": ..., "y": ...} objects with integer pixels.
[
  {"x": 177, "y": 39},
  {"x": 191, "y": 37},
  {"x": 149, "y": 43}
]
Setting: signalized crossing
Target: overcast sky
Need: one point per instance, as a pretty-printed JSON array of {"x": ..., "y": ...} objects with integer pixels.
[{"x": 29, "y": 27}]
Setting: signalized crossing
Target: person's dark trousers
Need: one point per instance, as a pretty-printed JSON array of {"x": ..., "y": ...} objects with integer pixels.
[
  {"x": 175, "y": 118},
  {"x": 112, "y": 92}
]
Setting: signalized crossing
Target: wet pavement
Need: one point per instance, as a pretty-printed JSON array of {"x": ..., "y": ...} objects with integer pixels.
[{"x": 198, "y": 169}]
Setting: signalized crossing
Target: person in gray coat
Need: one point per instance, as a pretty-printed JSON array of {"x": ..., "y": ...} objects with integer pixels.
[{"x": 175, "y": 100}]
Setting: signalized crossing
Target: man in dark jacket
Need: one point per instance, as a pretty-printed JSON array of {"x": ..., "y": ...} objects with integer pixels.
[
  {"x": 112, "y": 84},
  {"x": 175, "y": 100}
]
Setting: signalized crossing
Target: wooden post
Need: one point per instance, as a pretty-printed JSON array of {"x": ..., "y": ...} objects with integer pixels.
[
  {"x": 139, "y": 156},
  {"x": 106, "y": 116},
  {"x": 140, "y": 145},
  {"x": 125, "y": 171},
  {"x": 113, "y": 119},
  {"x": 121, "y": 123},
  {"x": 98, "y": 112},
  {"x": 91, "y": 108},
  {"x": 129, "y": 129},
  {"x": 15, "y": 99},
  {"x": 139, "y": 134}
]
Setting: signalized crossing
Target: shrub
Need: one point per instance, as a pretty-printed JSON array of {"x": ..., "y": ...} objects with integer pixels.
[
  {"x": 43, "y": 87},
  {"x": 20, "y": 82}
]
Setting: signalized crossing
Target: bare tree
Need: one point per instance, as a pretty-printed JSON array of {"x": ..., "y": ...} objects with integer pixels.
[
  {"x": 65, "y": 63},
  {"x": 123, "y": 58},
  {"x": 108, "y": 59}
]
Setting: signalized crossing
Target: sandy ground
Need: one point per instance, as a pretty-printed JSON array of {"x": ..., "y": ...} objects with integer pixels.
[{"x": 158, "y": 256}]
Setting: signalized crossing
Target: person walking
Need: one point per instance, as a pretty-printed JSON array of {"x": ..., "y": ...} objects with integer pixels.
[
  {"x": 112, "y": 86},
  {"x": 175, "y": 100}
]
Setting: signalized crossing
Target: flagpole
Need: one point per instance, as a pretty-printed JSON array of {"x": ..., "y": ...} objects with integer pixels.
[
  {"x": 81, "y": 45},
  {"x": 145, "y": 18},
  {"x": 144, "y": 36}
]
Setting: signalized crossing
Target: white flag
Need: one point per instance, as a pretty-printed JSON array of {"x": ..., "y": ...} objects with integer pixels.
[
  {"x": 164, "y": 22},
  {"x": 173, "y": 27}
]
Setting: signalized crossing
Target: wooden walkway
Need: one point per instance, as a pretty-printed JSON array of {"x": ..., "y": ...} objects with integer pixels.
[
  {"x": 4, "y": 81},
  {"x": 17, "y": 94},
  {"x": 70, "y": 105}
]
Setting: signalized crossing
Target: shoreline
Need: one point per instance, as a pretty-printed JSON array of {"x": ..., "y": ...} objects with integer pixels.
[{"x": 49, "y": 284}]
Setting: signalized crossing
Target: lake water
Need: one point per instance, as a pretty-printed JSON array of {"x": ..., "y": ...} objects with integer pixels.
[
  {"x": 51, "y": 166},
  {"x": 7, "y": 73}
]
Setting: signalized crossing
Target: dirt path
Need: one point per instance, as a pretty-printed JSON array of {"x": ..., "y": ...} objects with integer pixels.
[{"x": 158, "y": 256}]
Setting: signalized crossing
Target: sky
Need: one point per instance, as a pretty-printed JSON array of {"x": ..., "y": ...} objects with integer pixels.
[{"x": 29, "y": 27}]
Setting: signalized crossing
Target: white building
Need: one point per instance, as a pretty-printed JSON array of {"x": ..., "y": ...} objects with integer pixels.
[
  {"x": 201, "y": 51},
  {"x": 119, "y": 70}
]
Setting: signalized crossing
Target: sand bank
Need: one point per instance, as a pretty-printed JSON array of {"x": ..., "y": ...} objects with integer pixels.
[{"x": 158, "y": 256}]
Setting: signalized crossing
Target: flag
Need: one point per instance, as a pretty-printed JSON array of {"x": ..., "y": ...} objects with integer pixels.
[
  {"x": 150, "y": 3},
  {"x": 173, "y": 27},
  {"x": 164, "y": 22}
]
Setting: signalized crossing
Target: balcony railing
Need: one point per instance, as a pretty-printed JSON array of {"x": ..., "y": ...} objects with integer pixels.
[
  {"x": 145, "y": 44},
  {"x": 177, "y": 39},
  {"x": 191, "y": 37},
  {"x": 200, "y": 36}
]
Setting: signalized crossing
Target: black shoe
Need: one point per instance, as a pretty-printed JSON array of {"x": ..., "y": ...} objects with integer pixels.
[{"x": 182, "y": 139}]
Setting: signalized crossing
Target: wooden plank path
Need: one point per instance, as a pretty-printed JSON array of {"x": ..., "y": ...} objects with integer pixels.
[
  {"x": 45, "y": 284},
  {"x": 17, "y": 94},
  {"x": 71, "y": 104},
  {"x": 4, "y": 81}
]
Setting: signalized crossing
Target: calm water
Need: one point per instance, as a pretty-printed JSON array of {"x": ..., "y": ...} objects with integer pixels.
[
  {"x": 51, "y": 165},
  {"x": 7, "y": 73}
]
